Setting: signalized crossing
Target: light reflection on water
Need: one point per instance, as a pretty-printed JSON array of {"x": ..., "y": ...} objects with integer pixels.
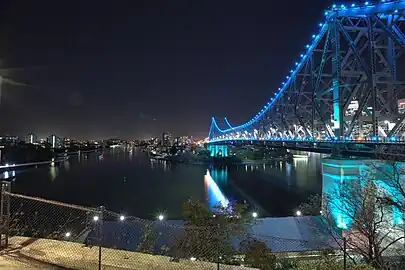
[{"x": 214, "y": 194}]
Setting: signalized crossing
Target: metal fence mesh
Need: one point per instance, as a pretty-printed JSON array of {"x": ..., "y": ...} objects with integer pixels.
[{"x": 52, "y": 233}]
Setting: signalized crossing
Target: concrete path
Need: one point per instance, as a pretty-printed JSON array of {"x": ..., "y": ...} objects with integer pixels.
[{"x": 76, "y": 256}]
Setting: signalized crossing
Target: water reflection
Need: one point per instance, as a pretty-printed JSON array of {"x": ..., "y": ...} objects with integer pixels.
[
  {"x": 66, "y": 165},
  {"x": 214, "y": 194},
  {"x": 159, "y": 164},
  {"x": 53, "y": 172}
]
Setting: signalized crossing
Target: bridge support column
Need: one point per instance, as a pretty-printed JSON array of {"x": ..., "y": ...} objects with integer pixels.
[
  {"x": 339, "y": 173},
  {"x": 218, "y": 150}
]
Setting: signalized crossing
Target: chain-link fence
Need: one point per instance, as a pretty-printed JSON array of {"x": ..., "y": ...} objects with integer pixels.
[{"x": 51, "y": 233}]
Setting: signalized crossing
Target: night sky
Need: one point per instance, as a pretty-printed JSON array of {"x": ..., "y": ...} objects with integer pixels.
[{"x": 133, "y": 69}]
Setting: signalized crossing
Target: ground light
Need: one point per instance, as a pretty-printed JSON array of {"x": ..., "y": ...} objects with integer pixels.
[{"x": 298, "y": 213}]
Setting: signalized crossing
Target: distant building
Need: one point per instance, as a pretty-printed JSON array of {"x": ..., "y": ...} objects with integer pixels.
[
  {"x": 167, "y": 139},
  {"x": 66, "y": 142},
  {"x": 31, "y": 138},
  {"x": 55, "y": 141},
  {"x": 8, "y": 140},
  {"x": 401, "y": 105}
]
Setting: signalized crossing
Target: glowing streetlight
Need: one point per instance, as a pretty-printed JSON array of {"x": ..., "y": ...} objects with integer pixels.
[
  {"x": 161, "y": 217},
  {"x": 67, "y": 234},
  {"x": 122, "y": 218},
  {"x": 298, "y": 213},
  {"x": 193, "y": 259},
  {"x": 254, "y": 214},
  {"x": 95, "y": 218}
]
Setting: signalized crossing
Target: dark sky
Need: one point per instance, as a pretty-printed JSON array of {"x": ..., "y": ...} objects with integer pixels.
[{"x": 132, "y": 68}]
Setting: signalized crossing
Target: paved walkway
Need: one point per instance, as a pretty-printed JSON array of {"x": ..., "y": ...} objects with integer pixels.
[{"x": 76, "y": 256}]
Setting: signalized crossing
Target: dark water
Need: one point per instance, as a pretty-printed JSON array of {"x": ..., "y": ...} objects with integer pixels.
[{"x": 128, "y": 182}]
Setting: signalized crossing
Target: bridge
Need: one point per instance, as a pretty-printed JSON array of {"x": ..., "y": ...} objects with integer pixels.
[{"x": 344, "y": 91}]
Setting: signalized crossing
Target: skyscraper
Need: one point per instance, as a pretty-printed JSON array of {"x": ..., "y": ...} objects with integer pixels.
[
  {"x": 167, "y": 139},
  {"x": 54, "y": 141},
  {"x": 31, "y": 138}
]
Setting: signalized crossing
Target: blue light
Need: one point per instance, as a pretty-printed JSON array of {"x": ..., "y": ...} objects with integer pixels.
[
  {"x": 307, "y": 46},
  {"x": 279, "y": 89},
  {"x": 342, "y": 7},
  {"x": 321, "y": 24},
  {"x": 302, "y": 55},
  {"x": 366, "y": 3},
  {"x": 296, "y": 63},
  {"x": 283, "y": 83},
  {"x": 313, "y": 36},
  {"x": 396, "y": 11},
  {"x": 288, "y": 77},
  {"x": 291, "y": 71},
  {"x": 334, "y": 6},
  {"x": 353, "y": 5}
]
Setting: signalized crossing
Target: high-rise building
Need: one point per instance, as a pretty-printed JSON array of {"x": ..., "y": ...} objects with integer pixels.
[
  {"x": 167, "y": 139},
  {"x": 401, "y": 105},
  {"x": 31, "y": 138},
  {"x": 54, "y": 141},
  {"x": 66, "y": 142}
]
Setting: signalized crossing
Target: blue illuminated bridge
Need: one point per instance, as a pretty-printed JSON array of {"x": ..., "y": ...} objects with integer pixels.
[{"x": 344, "y": 91}]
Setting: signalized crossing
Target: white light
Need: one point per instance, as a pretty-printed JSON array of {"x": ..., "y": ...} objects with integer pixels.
[
  {"x": 122, "y": 218},
  {"x": 320, "y": 212},
  {"x": 193, "y": 259},
  {"x": 161, "y": 217},
  {"x": 214, "y": 216},
  {"x": 254, "y": 214},
  {"x": 67, "y": 234},
  {"x": 298, "y": 213},
  {"x": 95, "y": 218}
]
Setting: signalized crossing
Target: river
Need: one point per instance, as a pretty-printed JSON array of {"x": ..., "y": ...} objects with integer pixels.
[{"x": 124, "y": 180}]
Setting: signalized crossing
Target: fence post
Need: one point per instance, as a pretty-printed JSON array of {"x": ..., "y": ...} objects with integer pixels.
[
  {"x": 344, "y": 253},
  {"x": 4, "y": 212},
  {"x": 100, "y": 235}
]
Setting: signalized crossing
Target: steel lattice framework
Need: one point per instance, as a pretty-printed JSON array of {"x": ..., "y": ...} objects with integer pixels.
[{"x": 346, "y": 86}]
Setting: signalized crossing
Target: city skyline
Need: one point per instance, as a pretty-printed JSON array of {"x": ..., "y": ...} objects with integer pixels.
[{"x": 134, "y": 70}]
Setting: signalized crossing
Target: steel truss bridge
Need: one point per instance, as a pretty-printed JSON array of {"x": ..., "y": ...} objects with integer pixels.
[{"x": 344, "y": 89}]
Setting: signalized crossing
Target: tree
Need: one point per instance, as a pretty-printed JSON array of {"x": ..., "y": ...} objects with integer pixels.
[
  {"x": 366, "y": 223},
  {"x": 258, "y": 255},
  {"x": 148, "y": 239},
  {"x": 208, "y": 235}
]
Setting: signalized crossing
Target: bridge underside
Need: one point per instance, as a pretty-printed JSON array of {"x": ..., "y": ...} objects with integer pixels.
[{"x": 337, "y": 149}]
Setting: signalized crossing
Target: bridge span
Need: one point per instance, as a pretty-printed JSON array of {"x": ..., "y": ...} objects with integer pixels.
[{"x": 342, "y": 94}]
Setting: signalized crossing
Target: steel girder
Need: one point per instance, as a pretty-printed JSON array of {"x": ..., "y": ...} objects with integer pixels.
[{"x": 347, "y": 86}]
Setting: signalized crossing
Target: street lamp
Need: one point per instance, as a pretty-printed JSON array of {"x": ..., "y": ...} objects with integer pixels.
[
  {"x": 95, "y": 218},
  {"x": 254, "y": 214},
  {"x": 298, "y": 213},
  {"x": 122, "y": 218},
  {"x": 161, "y": 217}
]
